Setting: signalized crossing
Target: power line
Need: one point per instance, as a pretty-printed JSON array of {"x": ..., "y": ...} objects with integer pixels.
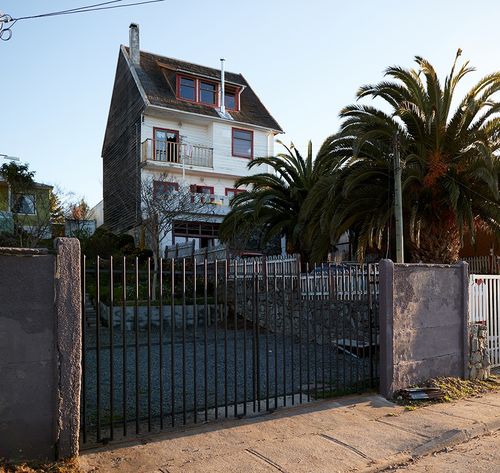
[
  {"x": 71, "y": 10},
  {"x": 89, "y": 8},
  {"x": 7, "y": 21}
]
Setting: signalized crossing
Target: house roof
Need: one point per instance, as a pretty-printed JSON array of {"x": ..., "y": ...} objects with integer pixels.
[
  {"x": 37, "y": 185},
  {"x": 157, "y": 76}
]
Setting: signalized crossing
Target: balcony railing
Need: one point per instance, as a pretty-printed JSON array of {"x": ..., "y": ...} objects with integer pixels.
[
  {"x": 212, "y": 203},
  {"x": 177, "y": 153}
]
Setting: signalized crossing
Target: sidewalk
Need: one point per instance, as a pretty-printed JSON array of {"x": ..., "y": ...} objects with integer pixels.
[{"x": 361, "y": 433}]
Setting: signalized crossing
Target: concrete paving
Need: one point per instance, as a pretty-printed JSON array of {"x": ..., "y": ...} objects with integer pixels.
[
  {"x": 480, "y": 455},
  {"x": 361, "y": 433}
]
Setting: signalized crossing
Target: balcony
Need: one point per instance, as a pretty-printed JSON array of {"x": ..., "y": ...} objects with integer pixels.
[
  {"x": 211, "y": 203},
  {"x": 180, "y": 154}
]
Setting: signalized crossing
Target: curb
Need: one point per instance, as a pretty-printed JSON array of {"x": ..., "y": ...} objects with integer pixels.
[{"x": 449, "y": 438}]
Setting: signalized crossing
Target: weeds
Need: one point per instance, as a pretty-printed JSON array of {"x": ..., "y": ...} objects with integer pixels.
[{"x": 66, "y": 466}]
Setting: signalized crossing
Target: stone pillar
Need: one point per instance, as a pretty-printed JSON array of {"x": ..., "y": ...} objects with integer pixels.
[
  {"x": 68, "y": 314},
  {"x": 479, "y": 359}
]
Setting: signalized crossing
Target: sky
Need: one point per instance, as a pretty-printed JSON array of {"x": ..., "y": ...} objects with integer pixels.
[{"x": 304, "y": 59}]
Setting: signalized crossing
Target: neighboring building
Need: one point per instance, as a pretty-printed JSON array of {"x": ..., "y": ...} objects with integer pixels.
[
  {"x": 171, "y": 116},
  {"x": 79, "y": 228},
  {"x": 29, "y": 209},
  {"x": 96, "y": 213}
]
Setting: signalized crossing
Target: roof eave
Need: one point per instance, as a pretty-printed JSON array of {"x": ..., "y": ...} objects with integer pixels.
[{"x": 135, "y": 76}]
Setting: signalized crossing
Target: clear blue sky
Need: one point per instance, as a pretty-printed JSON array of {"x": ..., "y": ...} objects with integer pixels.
[{"x": 305, "y": 59}]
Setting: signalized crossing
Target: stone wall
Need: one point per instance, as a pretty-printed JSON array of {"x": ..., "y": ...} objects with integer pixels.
[
  {"x": 479, "y": 360},
  {"x": 317, "y": 319},
  {"x": 40, "y": 352},
  {"x": 423, "y": 323}
]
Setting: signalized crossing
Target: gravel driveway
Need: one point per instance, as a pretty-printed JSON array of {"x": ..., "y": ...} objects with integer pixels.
[{"x": 248, "y": 367}]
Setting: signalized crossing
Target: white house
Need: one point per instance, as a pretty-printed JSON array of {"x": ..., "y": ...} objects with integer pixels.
[{"x": 198, "y": 124}]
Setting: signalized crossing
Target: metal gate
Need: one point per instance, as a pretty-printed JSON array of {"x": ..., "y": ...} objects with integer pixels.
[
  {"x": 484, "y": 306},
  {"x": 192, "y": 341}
]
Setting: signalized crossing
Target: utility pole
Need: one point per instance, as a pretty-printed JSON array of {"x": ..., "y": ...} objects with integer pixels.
[{"x": 398, "y": 203}]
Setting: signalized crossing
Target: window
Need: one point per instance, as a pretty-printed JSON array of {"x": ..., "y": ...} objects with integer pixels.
[
  {"x": 203, "y": 189},
  {"x": 187, "y": 88},
  {"x": 195, "y": 229},
  {"x": 208, "y": 93},
  {"x": 230, "y": 99},
  {"x": 162, "y": 187},
  {"x": 23, "y": 204},
  {"x": 166, "y": 145},
  {"x": 242, "y": 143},
  {"x": 230, "y": 192}
]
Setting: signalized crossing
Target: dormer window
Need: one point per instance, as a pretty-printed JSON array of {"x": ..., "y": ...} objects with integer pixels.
[
  {"x": 187, "y": 88},
  {"x": 230, "y": 99},
  {"x": 208, "y": 93}
]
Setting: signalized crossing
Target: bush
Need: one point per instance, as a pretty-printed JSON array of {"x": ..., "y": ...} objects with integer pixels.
[
  {"x": 104, "y": 243},
  {"x": 8, "y": 239}
]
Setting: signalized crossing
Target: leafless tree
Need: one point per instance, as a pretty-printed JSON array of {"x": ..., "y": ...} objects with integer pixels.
[
  {"x": 164, "y": 200},
  {"x": 77, "y": 214}
]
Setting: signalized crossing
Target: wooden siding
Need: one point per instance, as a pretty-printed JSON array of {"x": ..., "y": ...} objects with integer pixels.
[
  {"x": 189, "y": 132},
  {"x": 217, "y": 136},
  {"x": 121, "y": 152}
]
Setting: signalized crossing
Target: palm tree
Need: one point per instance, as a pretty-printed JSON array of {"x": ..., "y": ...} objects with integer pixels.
[
  {"x": 450, "y": 165},
  {"x": 273, "y": 202}
]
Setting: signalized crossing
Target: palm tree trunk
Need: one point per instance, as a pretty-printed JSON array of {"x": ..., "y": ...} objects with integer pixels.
[{"x": 438, "y": 244}]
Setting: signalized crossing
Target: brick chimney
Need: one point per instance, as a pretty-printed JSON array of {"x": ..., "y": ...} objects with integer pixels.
[{"x": 134, "y": 44}]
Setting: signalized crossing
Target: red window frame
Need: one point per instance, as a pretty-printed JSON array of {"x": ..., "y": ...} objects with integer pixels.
[
  {"x": 177, "y": 133},
  {"x": 197, "y": 92},
  {"x": 157, "y": 185},
  {"x": 217, "y": 92},
  {"x": 234, "y": 91},
  {"x": 197, "y": 187},
  {"x": 168, "y": 130},
  {"x": 232, "y": 143},
  {"x": 178, "y": 88},
  {"x": 234, "y": 190}
]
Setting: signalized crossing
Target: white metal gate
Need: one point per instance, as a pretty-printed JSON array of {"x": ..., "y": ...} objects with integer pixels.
[{"x": 484, "y": 306}]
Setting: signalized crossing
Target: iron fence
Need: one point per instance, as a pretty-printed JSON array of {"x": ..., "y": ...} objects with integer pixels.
[{"x": 191, "y": 341}]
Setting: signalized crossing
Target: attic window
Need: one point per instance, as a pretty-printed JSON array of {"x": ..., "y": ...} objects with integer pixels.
[
  {"x": 187, "y": 88},
  {"x": 230, "y": 99},
  {"x": 208, "y": 93}
]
